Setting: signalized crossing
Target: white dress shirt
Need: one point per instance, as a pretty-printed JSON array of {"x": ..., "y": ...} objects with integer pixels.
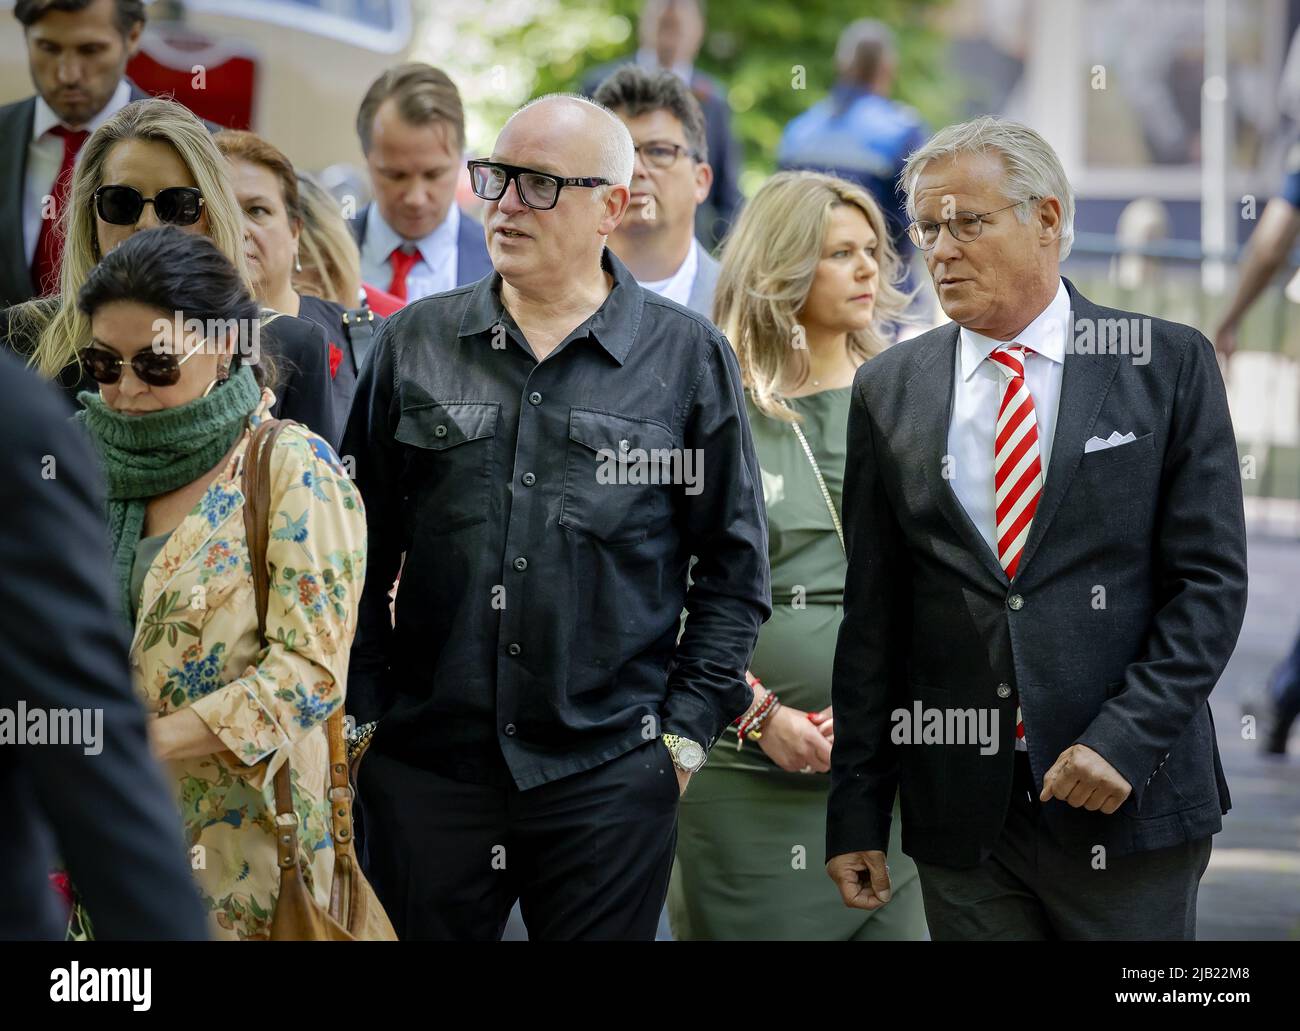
[
  {"x": 45, "y": 157},
  {"x": 677, "y": 287},
  {"x": 439, "y": 256},
  {"x": 977, "y": 394}
]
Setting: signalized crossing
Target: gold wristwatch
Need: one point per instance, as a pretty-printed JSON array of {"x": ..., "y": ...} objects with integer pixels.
[{"x": 688, "y": 756}]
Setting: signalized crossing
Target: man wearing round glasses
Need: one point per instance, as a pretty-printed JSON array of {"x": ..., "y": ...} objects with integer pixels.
[
  {"x": 543, "y": 453},
  {"x": 670, "y": 180}
]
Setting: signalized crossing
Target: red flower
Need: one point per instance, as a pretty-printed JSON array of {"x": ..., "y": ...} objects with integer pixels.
[
  {"x": 60, "y": 883},
  {"x": 336, "y": 356}
]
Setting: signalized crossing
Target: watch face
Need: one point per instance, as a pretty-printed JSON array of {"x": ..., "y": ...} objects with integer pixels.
[{"x": 691, "y": 755}]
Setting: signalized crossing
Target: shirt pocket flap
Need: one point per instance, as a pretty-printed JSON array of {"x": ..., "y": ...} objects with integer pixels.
[
  {"x": 443, "y": 425},
  {"x": 616, "y": 434}
]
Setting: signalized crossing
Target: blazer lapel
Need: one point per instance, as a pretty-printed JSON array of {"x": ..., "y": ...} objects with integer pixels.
[
  {"x": 1085, "y": 380},
  {"x": 933, "y": 419},
  {"x": 17, "y": 128}
]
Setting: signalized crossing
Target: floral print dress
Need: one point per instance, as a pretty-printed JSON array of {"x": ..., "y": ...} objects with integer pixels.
[{"x": 196, "y": 645}]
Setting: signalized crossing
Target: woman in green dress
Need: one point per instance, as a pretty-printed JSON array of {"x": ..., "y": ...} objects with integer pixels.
[{"x": 807, "y": 282}]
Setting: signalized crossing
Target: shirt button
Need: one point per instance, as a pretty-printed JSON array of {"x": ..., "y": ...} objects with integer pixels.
[
  {"x": 440, "y": 431},
  {"x": 534, "y": 398},
  {"x": 521, "y": 563},
  {"x": 514, "y": 649},
  {"x": 1004, "y": 690},
  {"x": 1015, "y": 603},
  {"x": 510, "y": 730},
  {"x": 529, "y": 479}
]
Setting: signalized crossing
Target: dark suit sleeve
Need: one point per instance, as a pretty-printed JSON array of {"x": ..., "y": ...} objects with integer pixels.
[
  {"x": 1201, "y": 558},
  {"x": 868, "y": 681},
  {"x": 370, "y": 449},
  {"x": 724, "y": 156},
  {"x": 725, "y": 526},
  {"x": 303, "y": 390},
  {"x": 62, "y": 647}
]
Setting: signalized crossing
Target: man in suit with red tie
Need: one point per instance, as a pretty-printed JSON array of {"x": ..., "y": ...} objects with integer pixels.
[
  {"x": 1047, "y": 575},
  {"x": 414, "y": 240},
  {"x": 78, "y": 50}
]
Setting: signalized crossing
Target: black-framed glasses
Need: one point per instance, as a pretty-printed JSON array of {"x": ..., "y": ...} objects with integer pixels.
[
  {"x": 965, "y": 226},
  {"x": 662, "y": 155},
  {"x": 158, "y": 370},
  {"x": 541, "y": 190},
  {"x": 123, "y": 205}
]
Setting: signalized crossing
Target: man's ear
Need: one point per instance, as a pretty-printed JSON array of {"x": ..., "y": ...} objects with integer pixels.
[
  {"x": 703, "y": 181},
  {"x": 617, "y": 199},
  {"x": 1049, "y": 219}
]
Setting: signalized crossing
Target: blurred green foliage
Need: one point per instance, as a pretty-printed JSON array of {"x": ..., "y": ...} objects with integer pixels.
[{"x": 755, "y": 50}]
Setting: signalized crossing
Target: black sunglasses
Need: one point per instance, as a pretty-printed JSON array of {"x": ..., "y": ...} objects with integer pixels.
[
  {"x": 123, "y": 205},
  {"x": 158, "y": 370},
  {"x": 540, "y": 190}
]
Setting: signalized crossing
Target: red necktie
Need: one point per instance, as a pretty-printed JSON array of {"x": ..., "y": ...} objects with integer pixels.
[
  {"x": 49, "y": 244},
  {"x": 403, "y": 262},
  {"x": 1017, "y": 466}
]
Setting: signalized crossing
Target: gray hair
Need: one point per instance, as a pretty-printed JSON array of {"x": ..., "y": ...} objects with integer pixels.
[
  {"x": 617, "y": 155},
  {"x": 1032, "y": 167}
]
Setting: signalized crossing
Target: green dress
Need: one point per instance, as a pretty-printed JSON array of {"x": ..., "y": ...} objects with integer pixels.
[{"x": 751, "y": 837}]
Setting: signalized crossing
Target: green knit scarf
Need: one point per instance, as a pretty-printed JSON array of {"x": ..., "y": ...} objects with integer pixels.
[{"x": 147, "y": 455}]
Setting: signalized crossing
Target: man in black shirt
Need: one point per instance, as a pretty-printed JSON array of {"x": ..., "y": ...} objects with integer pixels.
[{"x": 542, "y": 453}]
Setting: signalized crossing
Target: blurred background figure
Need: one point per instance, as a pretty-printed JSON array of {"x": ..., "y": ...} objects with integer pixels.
[
  {"x": 414, "y": 239},
  {"x": 859, "y": 132},
  {"x": 670, "y": 179},
  {"x": 107, "y": 814},
  {"x": 77, "y": 51},
  {"x": 669, "y": 35}
]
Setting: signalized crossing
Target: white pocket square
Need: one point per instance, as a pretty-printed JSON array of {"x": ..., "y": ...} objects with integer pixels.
[{"x": 1114, "y": 440}]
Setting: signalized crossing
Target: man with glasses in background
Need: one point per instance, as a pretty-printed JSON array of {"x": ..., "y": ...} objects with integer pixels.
[
  {"x": 670, "y": 180},
  {"x": 546, "y": 473}
]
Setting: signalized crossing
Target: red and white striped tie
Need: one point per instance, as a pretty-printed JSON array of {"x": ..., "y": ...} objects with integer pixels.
[{"x": 1017, "y": 468}]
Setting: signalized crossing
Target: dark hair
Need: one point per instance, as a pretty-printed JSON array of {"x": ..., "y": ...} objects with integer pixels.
[
  {"x": 424, "y": 95},
  {"x": 634, "y": 91},
  {"x": 126, "y": 14},
  {"x": 175, "y": 271}
]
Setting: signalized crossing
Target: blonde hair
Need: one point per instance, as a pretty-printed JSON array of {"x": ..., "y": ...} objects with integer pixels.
[
  {"x": 331, "y": 261},
  {"x": 63, "y": 328},
  {"x": 769, "y": 261}
]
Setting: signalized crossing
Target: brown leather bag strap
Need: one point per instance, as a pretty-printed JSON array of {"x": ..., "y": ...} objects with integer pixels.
[{"x": 256, "y": 486}]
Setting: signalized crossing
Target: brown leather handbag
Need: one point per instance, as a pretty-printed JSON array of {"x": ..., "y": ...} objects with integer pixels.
[{"x": 354, "y": 912}]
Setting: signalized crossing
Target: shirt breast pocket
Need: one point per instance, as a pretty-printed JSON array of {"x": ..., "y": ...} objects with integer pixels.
[
  {"x": 618, "y": 477},
  {"x": 449, "y": 463}
]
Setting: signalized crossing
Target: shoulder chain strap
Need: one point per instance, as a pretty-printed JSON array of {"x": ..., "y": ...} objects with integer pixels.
[{"x": 821, "y": 483}]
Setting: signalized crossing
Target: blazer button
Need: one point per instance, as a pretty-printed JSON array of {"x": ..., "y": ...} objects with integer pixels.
[
  {"x": 440, "y": 431},
  {"x": 1015, "y": 603},
  {"x": 534, "y": 398},
  {"x": 510, "y": 730},
  {"x": 1004, "y": 690},
  {"x": 514, "y": 649}
]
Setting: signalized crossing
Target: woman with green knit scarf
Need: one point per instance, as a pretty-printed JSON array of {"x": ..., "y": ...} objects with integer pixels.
[{"x": 174, "y": 353}]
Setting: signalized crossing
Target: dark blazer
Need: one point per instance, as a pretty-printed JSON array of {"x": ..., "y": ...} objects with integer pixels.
[
  {"x": 931, "y": 618},
  {"x": 16, "y": 119},
  {"x": 472, "y": 261},
  {"x": 715, "y": 216},
  {"x": 353, "y": 343},
  {"x": 297, "y": 348},
  {"x": 109, "y": 816}
]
